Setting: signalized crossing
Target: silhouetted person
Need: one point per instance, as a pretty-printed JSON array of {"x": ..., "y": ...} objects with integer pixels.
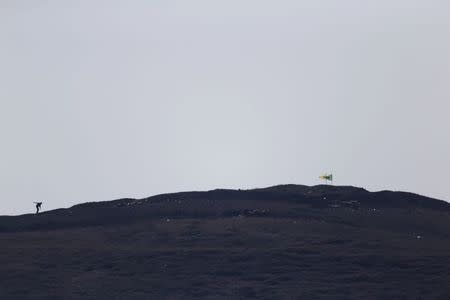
[{"x": 38, "y": 206}]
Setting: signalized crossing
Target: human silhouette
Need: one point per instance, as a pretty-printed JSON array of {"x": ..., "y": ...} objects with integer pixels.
[{"x": 38, "y": 206}]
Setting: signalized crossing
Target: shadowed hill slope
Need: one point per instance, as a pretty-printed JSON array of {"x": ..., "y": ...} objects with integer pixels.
[
  {"x": 286, "y": 241},
  {"x": 277, "y": 201}
]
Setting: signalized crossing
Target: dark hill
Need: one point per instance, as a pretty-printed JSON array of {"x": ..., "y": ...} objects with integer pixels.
[{"x": 286, "y": 241}]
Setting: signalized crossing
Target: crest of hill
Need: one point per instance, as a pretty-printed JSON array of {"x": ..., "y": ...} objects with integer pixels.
[
  {"x": 281, "y": 201},
  {"x": 315, "y": 189}
]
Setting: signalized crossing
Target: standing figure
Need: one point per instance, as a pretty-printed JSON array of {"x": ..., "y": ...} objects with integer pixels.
[{"x": 38, "y": 206}]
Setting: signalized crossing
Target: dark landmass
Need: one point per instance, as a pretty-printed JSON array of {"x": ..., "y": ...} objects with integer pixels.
[{"x": 283, "y": 242}]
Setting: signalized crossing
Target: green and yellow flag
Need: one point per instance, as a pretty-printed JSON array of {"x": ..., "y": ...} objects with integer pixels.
[{"x": 326, "y": 177}]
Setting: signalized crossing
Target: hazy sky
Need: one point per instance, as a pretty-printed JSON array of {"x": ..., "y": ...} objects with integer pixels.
[{"x": 107, "y": 99}]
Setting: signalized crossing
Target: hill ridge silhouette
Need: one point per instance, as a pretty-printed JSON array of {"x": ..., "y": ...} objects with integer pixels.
[
  {"x": 320, "y": 188},
  {"x": 277, "y": 201},
  {"x": 278, "y": 242}
]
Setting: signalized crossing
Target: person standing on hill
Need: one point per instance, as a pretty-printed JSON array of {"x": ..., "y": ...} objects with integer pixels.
[{"x": 38, "y": 206}]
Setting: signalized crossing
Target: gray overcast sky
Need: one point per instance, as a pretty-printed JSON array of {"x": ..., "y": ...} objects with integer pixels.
[{"x": 107, "y": 99}]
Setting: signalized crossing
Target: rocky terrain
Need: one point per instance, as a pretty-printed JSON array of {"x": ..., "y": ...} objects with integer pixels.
[{"x": 282, "y": 242}]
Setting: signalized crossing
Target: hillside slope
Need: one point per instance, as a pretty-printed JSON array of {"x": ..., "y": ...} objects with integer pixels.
[{"x": 287, "y": 241}]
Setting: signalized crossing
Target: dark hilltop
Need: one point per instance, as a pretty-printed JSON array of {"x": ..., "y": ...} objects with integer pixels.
[{"x": 282, "y": 242}]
